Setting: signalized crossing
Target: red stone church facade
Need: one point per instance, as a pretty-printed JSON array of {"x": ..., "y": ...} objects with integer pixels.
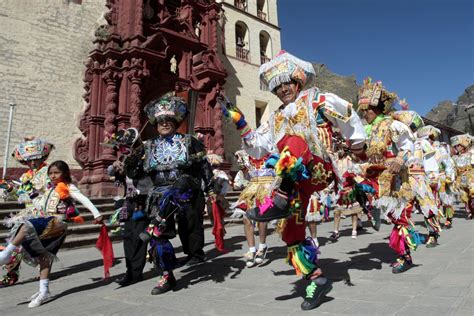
[{"x": 147, "y": 49}]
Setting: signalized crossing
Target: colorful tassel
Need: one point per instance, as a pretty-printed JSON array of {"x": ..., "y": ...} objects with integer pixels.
[
  {"x": 289, "y": 166},
  {"x": 237, "y": 117},
  {"x": 303, "y": 257}
]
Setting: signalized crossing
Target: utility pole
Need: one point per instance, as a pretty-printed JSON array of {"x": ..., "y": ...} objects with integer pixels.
[{"x": 7, "y": 146}]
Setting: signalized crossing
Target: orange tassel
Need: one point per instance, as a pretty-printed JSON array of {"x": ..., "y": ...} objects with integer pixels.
[{"x": 63, "y": 190}]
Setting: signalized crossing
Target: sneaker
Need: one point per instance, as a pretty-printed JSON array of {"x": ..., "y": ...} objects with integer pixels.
[
  {"x": 432, "y": 242},
  {"x": 334, "y": 236},
  {"x": 354, "y": 234},
  {"x": 165, "y": 284},
  {"x": 314, "y": 293},
  {"x": 401, "y": 265},
  {"x": 260, "y": 255},
  {"x": 39, "y": 299},
  {"x": 34, "y": 296},
  {"x": 448, "y": 224},
  {"x": 249, "y": 259}
]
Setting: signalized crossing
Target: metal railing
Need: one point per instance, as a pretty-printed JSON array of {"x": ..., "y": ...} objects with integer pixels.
[
  {"x": 243, "y": 54},
  {"x": 264, "y": 59}
]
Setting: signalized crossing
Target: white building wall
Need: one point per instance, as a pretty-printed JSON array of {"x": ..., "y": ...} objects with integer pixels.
[{"x": 243, "y": 84}]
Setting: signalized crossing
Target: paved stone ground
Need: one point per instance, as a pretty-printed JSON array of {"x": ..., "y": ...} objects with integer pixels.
[{"x": 440, "y": 284}]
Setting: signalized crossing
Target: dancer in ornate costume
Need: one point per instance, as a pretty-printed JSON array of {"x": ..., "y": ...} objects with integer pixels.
[
  {"x": 298, "y": 156},
  {"x": 464, "y": 163},
  {"x": 32, "y": 186},
  {"x": 258, "y": 189},
  {"x": 422, "y": 171},
  {"x": 443, "y": 180},
  {"x": 354, "y": 190},
  {"x": 132, "y": 208},
  {"x": 176, "y": 164},
  {"x": 42, "y": 230},
  {"x": 390, "y": 147}
]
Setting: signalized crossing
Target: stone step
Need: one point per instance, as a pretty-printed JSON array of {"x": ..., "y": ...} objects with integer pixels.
[
  {"x": 81, "y": 235},
  {"x": 105, "y": 210},
  {"x": 14, "y": 205}
]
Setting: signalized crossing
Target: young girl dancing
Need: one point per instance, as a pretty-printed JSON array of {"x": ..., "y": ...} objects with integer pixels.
[{"x": 41, "y": 230}]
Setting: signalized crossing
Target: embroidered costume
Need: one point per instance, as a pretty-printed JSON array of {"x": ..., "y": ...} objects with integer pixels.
[
  {"x": 390, "y": 141},
  {"x": 298, "y": 157},
  {"x": 32, "y": 186},
  {"x": 176, "y": 164},
  {"x": 441, "y": 178},
  {"x": 131, "y": 209},
  {"x": 46, "y": 233},
  {"x": 422, "y": 171},
  {"x": 464, "y": 163}
]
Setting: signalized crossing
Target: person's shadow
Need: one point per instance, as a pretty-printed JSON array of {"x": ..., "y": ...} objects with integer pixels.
[
  {"x": 77, "y": 268},
  {"x": 370, "y": 258},
  {"x": 216, "y": 270}
]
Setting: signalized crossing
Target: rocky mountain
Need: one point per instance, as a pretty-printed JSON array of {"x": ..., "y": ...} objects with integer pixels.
[
  {"x": 459, "y": 114},
  {"x": 327, "y": 81},
  {"x": 453, "y": 114}
]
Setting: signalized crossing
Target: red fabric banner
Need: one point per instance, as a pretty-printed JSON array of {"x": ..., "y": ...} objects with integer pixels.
[{"x": 105, "y": 247}]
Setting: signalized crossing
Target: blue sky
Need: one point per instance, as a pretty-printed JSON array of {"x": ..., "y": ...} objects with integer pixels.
[{"x": 420, "y": 49}]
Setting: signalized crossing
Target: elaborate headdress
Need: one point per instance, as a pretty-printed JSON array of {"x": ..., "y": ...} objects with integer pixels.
[
  {"x": 410, "y": 118},
  {"x": 284, "y": 68},
  {"x": 32, "y": 149},
  {"x": 429, "y": 131},
  {"x": 167, "y": 107},
  {"x": 464, "y": 140},
  {"x": 375, "y": 95}
]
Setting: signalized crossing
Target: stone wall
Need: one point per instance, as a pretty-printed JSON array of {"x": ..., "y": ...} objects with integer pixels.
[{"x": 43, "y": 45}]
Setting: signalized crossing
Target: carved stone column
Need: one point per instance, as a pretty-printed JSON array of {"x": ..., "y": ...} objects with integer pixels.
[
  {"x": 137, "y": 72},
  {"x": 111, "y": 78}
]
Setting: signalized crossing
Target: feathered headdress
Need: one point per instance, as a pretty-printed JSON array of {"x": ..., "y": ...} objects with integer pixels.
[
  {"x": 428, "y": 131},
  {"x": 404, "y": 104},
  {"x": 373, "y": 94},
  {"x": 284, "y": 68},
  {"x": 32, "y": 149},
  {"x": 167, "y": 107}
]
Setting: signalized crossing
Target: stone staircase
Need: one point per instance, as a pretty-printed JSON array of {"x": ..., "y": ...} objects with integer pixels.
[{"x": 81, "y": 235}]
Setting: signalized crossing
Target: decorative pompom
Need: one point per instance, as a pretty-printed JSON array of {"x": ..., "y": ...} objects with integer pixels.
[
  {"x": 63, "y": 190},
  {"x": 78, "y": 220}
]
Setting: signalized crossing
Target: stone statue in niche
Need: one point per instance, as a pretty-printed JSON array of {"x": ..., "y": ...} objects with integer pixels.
[
  {"x": 197, "y": 30},
  {"x": 173, "y": 64}
]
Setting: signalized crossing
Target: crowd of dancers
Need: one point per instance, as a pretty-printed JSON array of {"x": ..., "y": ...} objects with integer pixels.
[{"x": 316, "y": 153}]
